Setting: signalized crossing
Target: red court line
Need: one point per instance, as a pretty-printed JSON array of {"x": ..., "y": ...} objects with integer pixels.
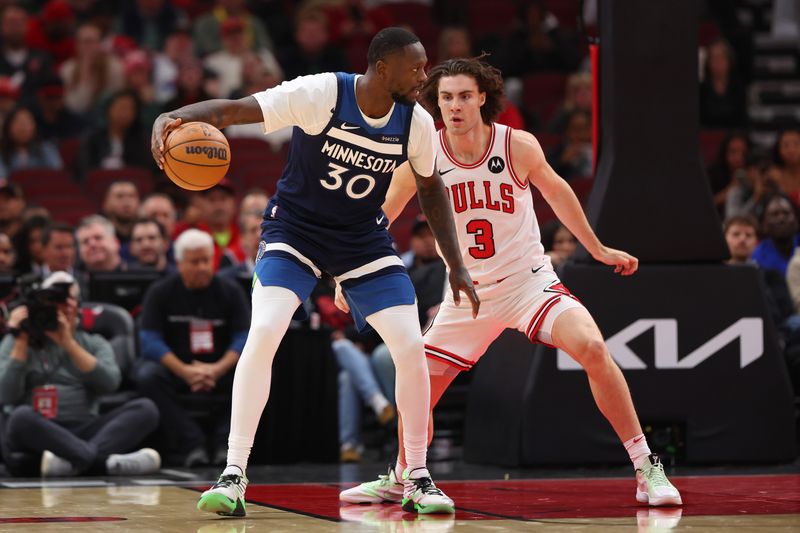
[
  {"x": 41, "y": 520},
  {"x": 533, "y": 499}
]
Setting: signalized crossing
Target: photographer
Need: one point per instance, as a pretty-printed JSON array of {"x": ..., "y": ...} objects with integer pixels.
[{"x": 50, "y": 374}]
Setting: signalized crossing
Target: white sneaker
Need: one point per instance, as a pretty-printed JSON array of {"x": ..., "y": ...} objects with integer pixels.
[
  {"x": 54, "y": 466},
  {"x": 226, "y": 496},
  {"x": 420, "y": 495},
  {"x": 652, "y": 485},
  {"x": 140, "y": 462},
  {"x": 385, "y": 490}
]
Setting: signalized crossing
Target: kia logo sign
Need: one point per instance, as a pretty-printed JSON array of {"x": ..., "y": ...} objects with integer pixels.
[{"x": 749, "y": 331}]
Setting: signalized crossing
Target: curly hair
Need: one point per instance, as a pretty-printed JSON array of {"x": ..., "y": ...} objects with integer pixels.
[{"x": 488, "y": 78}]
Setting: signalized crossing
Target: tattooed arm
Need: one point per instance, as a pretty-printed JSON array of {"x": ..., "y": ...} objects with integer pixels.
[
  {"x": 219, "y": 113},
  {"x": 436, "y": 206}
]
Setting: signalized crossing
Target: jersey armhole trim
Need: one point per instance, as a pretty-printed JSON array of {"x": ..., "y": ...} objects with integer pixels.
[
  {"x": 452, "y": 158},
  {"x": 509, "y": 131}
]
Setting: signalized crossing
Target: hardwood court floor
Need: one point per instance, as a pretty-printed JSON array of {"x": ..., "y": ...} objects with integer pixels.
[{"x": 766, "y": 501}]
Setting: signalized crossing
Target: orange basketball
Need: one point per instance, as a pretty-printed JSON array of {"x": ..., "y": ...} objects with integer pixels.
[{"x": 197, "y": 156}]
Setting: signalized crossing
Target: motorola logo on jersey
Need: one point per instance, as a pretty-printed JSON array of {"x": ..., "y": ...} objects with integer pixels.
[{"x": 497, "y": 165}]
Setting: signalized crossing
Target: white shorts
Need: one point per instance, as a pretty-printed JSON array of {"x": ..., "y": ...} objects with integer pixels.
[{"x": 528, "y": 302}]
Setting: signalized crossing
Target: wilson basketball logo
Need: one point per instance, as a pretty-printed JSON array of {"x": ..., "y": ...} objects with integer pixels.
[
  {"x": 211, "y": 152},
  {"x": 496, "y": 165}
]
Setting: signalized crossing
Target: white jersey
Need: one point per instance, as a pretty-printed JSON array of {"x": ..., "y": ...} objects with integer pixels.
[{"x": 495, "y": 223}]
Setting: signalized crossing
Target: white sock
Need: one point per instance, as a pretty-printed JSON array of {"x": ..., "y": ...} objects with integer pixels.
[
  {"x": 378, "y": 402},
  {"x": 399, "y": 328},
  {"x": 638, "y": 450},
  {"x": 399, "y": 468},
  {"x": 233, "y": 470},
  {"x": 273, "y": 308}
]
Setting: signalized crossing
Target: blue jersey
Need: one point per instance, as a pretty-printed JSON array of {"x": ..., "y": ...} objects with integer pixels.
[
  {"x": 326, "y": 214},
  {"x": 339, "y": 178}
]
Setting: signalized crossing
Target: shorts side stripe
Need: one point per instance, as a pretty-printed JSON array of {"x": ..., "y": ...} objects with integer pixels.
[
  {"x": 283, "y": 247},
  {"x": 449, "y": 360},
  {"x": 538, "y": 317},
  {"x": 369, "y": 268}
]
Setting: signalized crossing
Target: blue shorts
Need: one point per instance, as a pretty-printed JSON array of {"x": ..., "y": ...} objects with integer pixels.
[{"x": 366, "y": 265}]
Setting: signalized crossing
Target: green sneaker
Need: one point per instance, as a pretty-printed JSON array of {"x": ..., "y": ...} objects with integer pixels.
[
  {"x": 652, "y": 485},
  {"x": 226, "y": 496},
  {"x": 385, "y": 489},
  {"x": 421, "y": 496}
]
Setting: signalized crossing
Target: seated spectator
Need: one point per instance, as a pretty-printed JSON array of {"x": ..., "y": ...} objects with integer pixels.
[
  {"x": 249, "y": 239},
  {"x": 28, "y": 244},
  {"x": 98, "y": 245},
  {"x": 193, "y": 328},
  {"x": 254, "y": 202},
  {"x": 18, "y": 62},
  {"x": 49, "y": 382},
  {"x": 352, "y": 25},
  {"x": 729, "y": 168},
  {"x": 58, "y": 249},
  {"x": 578, "y": 96},
  {"x": 228, "y": 63},
  {"x": 780, "y": 238},
  {"x": 160, "y": 207},
  {"x": 573, "y": 157},
  {"x": 722, "y": 92},
  {"x": 7, "y": 255},
  {"x": 55, "y": 122},
  {"x": 787, "y": 161},
  {"x": 148, "y": 23},
  {"x": 53, "y": 31},
  {"x": 120, "y": 207},
  {"x": 559, "y": 243},
  {"x": 192, "y": 84},
  {"x": 310, "y": 53},
  {"x": 538, "y": 45},
  {"x": 740, "y": 234},
  {"x": 12, "y": 205},
  {"x": 207, "y": 28},
  {"x": 120, "y": 142},
  {"x": 217, "y": 216},
  {"x": 149, "y": 245},
  {"x": 753, "y": 188},
  {"x": 139, "y": 79},
  {"x": 177, "y": 48},
  {"x": 92, "y": 74},
  {"x": 21, "y": 146}
]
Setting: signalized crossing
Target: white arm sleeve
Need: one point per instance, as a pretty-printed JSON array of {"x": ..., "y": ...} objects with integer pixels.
[
  {"x": 306, "y": 102},
  {"x": 422, "y": 142}
]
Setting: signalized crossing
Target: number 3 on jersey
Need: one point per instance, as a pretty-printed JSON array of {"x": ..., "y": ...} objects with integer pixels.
[
  {"x": 334, "y": 181},
  {"x": 484, "y": 238}
]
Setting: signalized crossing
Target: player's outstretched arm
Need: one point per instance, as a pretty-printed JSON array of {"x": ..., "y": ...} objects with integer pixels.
[
  {"x": 436, "y": 206},
  {"x": 529, "y": 161},
  {"x": 219, "y": 113},
  {"x": 401, "y": 189}
]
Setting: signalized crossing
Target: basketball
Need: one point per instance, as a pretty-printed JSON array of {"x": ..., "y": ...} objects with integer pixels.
[{"x": 196, "y": 156}]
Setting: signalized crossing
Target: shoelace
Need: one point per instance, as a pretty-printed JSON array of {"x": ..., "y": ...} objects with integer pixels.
[
  {"x": 426, "y": 486},
  {"x": 227, "y": 481},
  {"x": 656, "y": 475}
]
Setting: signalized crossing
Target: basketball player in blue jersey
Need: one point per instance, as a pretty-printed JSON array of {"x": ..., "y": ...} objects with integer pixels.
[
  {"x": 350, "y": 133},
  {"x": 489, "y": 169}
]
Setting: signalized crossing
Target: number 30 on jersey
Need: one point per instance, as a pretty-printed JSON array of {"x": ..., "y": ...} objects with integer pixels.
[{"x": 334, "y": 181}]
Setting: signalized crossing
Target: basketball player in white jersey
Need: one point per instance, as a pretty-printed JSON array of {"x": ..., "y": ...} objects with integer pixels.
[{"x": 488, "y": 169}]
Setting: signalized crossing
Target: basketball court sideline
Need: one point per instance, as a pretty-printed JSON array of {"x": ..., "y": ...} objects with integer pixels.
[{"x": 305, "y": 497}]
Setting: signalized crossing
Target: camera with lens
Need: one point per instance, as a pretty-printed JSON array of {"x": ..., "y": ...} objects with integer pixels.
[{"x": 42, "y": 304}]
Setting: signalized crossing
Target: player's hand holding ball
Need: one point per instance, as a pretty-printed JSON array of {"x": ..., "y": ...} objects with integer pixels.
[{"x": 194, "y": 155}]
